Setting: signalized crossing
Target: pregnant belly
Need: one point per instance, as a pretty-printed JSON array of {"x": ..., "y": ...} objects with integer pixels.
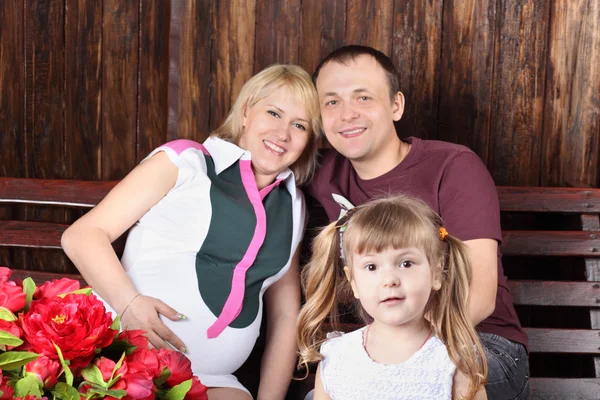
[{"x": 179, "y": 289}]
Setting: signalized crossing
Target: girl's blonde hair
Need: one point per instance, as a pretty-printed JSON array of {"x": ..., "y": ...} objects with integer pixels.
[
  {"x": 394, "y": 222},
  {"x": 299, "y": 84}
]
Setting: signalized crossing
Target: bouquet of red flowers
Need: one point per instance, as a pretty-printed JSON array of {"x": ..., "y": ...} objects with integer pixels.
[{"x": 57, "y": 341}]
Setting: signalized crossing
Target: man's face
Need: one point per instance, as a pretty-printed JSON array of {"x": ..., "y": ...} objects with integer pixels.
[{"x": 358, "y": 114}]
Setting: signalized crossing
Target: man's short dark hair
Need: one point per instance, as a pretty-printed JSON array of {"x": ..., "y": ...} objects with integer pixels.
[{"x": 349, "y": 53}]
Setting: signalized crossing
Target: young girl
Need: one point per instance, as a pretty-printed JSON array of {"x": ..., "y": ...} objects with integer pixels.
[{"x": 412, "y": 282}]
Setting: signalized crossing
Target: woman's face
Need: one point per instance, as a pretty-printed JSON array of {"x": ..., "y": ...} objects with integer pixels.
[{"x": 276, "y": 131}]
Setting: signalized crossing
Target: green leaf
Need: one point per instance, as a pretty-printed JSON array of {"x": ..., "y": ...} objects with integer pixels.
[
  {"x": 87, "y": 291},
  {"x": 65, "y": 365},
  {"x": 30, "y": 384},
  {"x": 116, "y": 325},
  {"x": 16, "y": 359},
  {"x": 105, "y": 392},
  {"x": 7, "y": 315},
  {"x": 118, "y": 365},
  {"x": 162, "y": 378},
  {"x": 178, "y": 392},
  {"x": 9, "y": 339},
  {"x": 92, "y": 374},
  {"x": 29, "y": 289},
  {"x": 63, "y": 391}
]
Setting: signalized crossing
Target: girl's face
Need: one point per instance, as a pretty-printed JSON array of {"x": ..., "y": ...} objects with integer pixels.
[
  {"x": 276, "y": 131},
  {"x": 394, "y": 285}
]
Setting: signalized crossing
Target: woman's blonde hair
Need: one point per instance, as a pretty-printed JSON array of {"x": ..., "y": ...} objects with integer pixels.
[
  {"x": 394, "y": 222},
  {"x": 298, "y": 82}
]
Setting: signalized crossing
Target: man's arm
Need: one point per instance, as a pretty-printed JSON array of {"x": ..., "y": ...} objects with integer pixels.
[
  {"x": 484, "y": 282},
  {"x": 470, "y": 209},
  {"x": 282, "y": 301}
]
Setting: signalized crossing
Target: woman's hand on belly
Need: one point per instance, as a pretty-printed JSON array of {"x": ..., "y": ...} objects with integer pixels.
[{"x": 143, "y": 313}]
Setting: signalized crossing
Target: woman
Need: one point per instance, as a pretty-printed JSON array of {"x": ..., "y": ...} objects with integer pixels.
[{"x": 214, "y": 226}]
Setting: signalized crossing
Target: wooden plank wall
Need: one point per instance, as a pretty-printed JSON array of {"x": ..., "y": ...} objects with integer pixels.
[{"x": 88, "y": 88}]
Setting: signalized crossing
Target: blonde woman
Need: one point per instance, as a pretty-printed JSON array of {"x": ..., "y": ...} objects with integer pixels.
[
  {"x": 213, "y": 228},
  {"x": 411, "y": 280}
]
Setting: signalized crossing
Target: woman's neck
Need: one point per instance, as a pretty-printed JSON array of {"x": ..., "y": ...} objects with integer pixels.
[{"x": 263, "y": 181}]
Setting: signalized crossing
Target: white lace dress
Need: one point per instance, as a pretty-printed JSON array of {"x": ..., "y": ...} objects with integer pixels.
[{"x": 348, "y": 373}]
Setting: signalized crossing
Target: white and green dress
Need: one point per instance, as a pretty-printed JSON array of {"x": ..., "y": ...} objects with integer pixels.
[{"x": 211, "y": 247}]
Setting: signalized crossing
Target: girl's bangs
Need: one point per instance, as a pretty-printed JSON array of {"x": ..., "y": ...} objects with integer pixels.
[{"x": 378, "y": 228}]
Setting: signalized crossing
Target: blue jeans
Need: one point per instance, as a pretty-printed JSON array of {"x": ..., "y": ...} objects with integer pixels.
[{"x": 508, "y": 368}]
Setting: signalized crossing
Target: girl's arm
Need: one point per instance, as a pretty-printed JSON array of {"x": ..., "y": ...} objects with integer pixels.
[
  {"x": 88, "y": 244},
  {"x": 282, "y": 302},
  {"x": 320, "y": 393},
  {"x": 460, "y": 387}
]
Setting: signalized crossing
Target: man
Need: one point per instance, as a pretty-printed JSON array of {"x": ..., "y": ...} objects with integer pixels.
[{"x": 360, "y": 100}]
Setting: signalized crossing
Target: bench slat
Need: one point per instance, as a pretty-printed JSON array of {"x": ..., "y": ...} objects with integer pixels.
[
  {"x": 41, "y": 277},
  {"x": 548, "y": 199},
  {"x": 553, "y": 293},
  {"x": 564, "y": 389},
  {"x": 43, "y": 235},
  {"x": 550, "y": 243},
  {"x": 541, "y": 340},
  {"x": 69, "y": 193},
  {"x": 577, "y": 341}
]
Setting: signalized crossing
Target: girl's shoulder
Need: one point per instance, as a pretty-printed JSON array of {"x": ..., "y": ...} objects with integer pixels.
[{"x": 339, "y": 341}]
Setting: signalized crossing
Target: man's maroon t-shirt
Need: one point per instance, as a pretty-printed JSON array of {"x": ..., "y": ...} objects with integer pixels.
[{"x": 452, "y": 180}]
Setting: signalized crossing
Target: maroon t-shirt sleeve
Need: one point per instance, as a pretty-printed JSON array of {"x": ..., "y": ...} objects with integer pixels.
[{"x": 468, "y": 199}]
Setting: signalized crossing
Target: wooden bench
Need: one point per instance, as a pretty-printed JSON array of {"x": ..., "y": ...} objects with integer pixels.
[
  {"x": 45, "y": 235},
  {"x": 584, "y": 204},
  {"x": 582, "y": 243}
]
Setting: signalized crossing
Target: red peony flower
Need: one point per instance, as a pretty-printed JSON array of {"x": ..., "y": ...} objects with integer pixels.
[
  {"x": 30, "y": 397},
  {"x": 6, "y": 392},
  {"x": 179, "y": 365},
  {"x": 135, "y": 338},
  {"x": 136, "y": 381},
  {"x": 149, "y": 358},
  {"x": 11, "y": 295},
  {"x": 46, "y": 369},
  {"x": 198, "y": 391},
  {"x": 56, "y": 287},
  {"x": 106, "y": 367},
  {"x": 11, "y": 328},
  {"x": 77, "y": 323}
]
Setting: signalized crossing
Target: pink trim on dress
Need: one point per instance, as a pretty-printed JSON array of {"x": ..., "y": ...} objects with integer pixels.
[
  {"x": 233, "y": 305},
  {"x": 266, "y": 190},
  {"x": 183, "y": 144}
]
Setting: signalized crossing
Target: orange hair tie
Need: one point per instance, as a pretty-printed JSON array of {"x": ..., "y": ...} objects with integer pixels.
[{"x": 443, "y": 233}]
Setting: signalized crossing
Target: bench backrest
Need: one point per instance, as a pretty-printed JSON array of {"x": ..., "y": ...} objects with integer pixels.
[
  {"x": 583, "y": 243},
  {"x": 45, "y": 235}
]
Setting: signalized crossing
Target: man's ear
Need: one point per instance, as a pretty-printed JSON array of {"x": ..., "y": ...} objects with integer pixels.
[
  {"x": 352, "y": 284},
  {"x": 398, "y": 106}
]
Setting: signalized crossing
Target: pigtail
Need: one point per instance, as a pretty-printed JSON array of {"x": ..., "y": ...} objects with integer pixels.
[
  {"x": 450, "y": 316},
  {"x": 320, "y": 281}
]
